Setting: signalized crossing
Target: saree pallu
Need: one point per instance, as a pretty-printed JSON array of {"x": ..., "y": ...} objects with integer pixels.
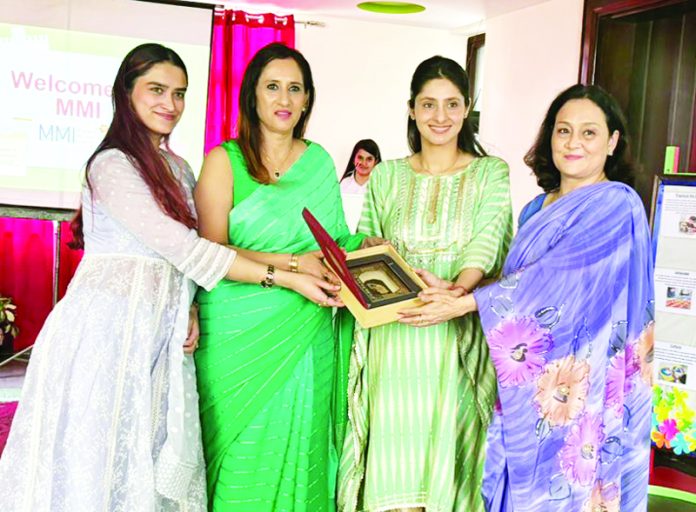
[
  {"x": 267, "y": 358},
  {"x": 570, "y": 332}
]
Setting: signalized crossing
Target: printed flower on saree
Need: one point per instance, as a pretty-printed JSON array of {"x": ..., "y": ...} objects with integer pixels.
[
  {"x": 618, "y": 383},
  {"x": 604, "y": 498},
  {"x": 632, "y": 367},
  {"x": 517, "y": 348},
  {"x": 562, "y": 390},
  {"x": 644, "y": 351},
  {"x": 580, "y": 454}
]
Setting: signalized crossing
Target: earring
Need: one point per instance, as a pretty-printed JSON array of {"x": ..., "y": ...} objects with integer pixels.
[
  {"x": 304, "y": 109},
  {"x": 610, "y": 152}
]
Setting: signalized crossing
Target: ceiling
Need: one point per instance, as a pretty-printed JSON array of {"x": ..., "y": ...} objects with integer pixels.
[{"x": 445, "y": 14}]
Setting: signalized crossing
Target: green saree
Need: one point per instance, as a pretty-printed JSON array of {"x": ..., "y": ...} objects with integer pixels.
[{"x": 267, "y": 358}]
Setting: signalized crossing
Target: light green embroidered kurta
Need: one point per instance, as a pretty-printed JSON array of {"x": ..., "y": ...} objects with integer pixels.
[{"x": 420, "y": 399}]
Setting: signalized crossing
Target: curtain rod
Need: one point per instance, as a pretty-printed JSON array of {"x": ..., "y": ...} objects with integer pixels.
[
  {"x": 284, "y": 17},
  {"x": 310, "y": 23},
  {"x": 200, "y": 5}
]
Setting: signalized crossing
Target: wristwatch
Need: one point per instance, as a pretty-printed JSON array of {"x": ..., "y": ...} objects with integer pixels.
[{"x": 269, "y": 280}]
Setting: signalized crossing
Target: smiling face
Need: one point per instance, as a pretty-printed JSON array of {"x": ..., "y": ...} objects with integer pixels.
[
  {"x": 364, "y": 162},
  {"x": 581, "y": 141},
  {"x": 439, "y": 111},
  {"x": 158, "y": 99},
  {"x": 280, "y": 96}
]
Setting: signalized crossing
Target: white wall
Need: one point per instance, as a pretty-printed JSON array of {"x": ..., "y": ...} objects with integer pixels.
[
  {"x": 531, "y": 55},
  {"x": 362, "y": 72}
]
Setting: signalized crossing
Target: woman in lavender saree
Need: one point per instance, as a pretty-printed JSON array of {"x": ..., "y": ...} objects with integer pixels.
[{"x": 569, "y": 326}]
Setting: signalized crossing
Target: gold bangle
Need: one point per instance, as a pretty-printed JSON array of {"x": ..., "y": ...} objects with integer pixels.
[{"x": 294, "y": 264}]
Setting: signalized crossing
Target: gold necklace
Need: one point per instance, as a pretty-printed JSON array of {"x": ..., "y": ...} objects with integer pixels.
[
  {"x": 447, "y": 169},
  {"x": 277, "y": 168}
]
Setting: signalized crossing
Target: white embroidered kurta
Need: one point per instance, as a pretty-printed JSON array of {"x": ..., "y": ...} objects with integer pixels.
[{"x": 108, "y": 418}]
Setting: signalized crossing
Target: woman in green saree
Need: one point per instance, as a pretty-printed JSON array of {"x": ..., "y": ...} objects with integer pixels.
[{"x": 267, "y": 362}]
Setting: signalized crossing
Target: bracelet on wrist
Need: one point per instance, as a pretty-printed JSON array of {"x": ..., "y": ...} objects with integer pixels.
[
  {"x": 294, "y": 264},
  {"x": 269, "y": 280}
]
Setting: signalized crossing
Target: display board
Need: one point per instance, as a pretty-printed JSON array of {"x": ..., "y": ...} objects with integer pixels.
[{"x": 674, "y": 394}]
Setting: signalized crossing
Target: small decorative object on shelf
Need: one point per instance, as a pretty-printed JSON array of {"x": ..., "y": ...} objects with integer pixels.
[
  {"x": 8, "y": 329},
  {"x": 671, "y": 160}
]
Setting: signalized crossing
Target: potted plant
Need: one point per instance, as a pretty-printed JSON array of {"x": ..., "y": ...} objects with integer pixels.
[{"x": 8, "y": 329}]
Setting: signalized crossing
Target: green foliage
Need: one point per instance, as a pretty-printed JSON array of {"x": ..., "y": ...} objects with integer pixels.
[{"x": 7, "y": 318}]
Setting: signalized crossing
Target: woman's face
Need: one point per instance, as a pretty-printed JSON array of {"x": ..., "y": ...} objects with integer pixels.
[
  {"x": 280, "y": 96},
  {"x": 439, "y": 111},
  {"x": 158, "y": 99},
  {"x": 581, "y": 141},
  {"x": 364, "y": 162}
]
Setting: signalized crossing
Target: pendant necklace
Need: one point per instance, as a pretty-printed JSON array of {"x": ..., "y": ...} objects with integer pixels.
[
  {"x": 424, "y": 169},
  {"x": 277, "y": 172},
  {"x": 435, "y": 191}
]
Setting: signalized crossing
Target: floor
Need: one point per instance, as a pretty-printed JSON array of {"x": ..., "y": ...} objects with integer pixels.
[{"x": 12, "y": 376}]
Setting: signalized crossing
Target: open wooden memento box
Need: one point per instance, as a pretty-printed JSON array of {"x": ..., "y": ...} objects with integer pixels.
[{"x": 375, "y": 282}]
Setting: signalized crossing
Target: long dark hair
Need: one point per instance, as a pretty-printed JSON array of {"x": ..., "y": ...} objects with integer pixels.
[
  {"x": 442, "y": 67},
  {"x": 249, "y": 129},
  {"x": 127, "y": 133},
  {"x": 618, "y": 166},
  {"x": 368, "y": 145}
]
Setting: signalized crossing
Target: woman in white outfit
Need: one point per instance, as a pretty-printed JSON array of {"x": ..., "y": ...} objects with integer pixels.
[{"x": 362, "y": 161}]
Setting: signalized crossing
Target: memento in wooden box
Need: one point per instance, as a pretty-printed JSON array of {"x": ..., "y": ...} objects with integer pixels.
[{"x": 375, "y": 282}]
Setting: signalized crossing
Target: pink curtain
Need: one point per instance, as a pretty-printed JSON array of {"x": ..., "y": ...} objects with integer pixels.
[
  {"x": 26, "y": 271},
  {"x": 237, "y": 36}
]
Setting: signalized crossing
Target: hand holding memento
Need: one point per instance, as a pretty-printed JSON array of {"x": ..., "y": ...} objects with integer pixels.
[
  {"x": 432, "y": 280},
  {"x": 372, "y": 241},
  {"x": 312, "y": 263},
  {"x": 440, "y": 305},
  {"x": 317, "y": 290}
]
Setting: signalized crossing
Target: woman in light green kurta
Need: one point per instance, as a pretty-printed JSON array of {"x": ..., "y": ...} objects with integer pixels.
[
  {"x": 267, "y": 362},
  {"x": 420, "y": 399}
]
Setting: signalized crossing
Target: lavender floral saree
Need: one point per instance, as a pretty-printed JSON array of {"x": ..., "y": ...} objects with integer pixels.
[{"x": 569, "y": 328}]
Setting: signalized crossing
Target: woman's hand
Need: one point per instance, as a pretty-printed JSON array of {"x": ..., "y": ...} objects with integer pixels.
[
  {"x": 439, "y": 306},
  {"x": 432, "y": 280},
  {"x": 317, "y": 290},
  {"x": 312, "y": 263},
  {"x": 372, "y": 241},
  {"x": 194, "y": 332}
]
